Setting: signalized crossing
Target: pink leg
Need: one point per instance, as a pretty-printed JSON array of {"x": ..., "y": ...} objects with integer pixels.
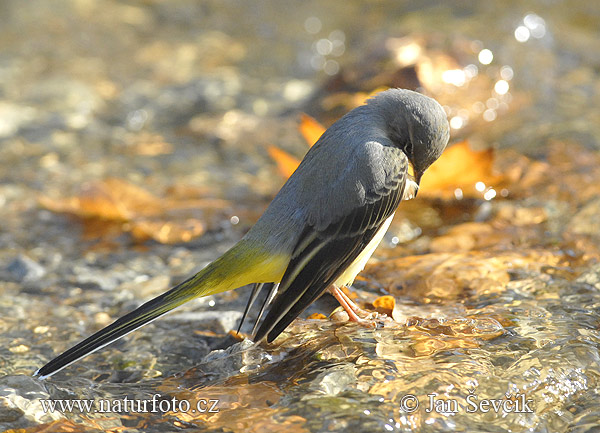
[{"x": 355, "y": 313}]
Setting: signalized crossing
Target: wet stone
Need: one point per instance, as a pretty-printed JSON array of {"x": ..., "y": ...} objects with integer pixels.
[
  {"x": 22, "y": 394},
  {"x": 9, "y": 412},
  {"x": 591, "y": 277},
  {"x": 24, "y": 269},
  {"x": 336, "y": 380},
  {"x": 224, "y": 362}
]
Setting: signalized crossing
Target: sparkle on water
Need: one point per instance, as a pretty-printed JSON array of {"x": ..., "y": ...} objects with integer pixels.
[{"x": 485, "y": 56}]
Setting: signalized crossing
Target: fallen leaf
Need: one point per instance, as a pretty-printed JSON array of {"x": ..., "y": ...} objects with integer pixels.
[
  {"x": 385, "y": 304},
  {"x": 111, "y": 199},
  {"x": 132, "y": 208},
  {"x": 286, "y": 163},
  {"x": 437, "y": 335},
  {"x": 239, "y": 336},
  {"x": 310, "y": 129},
  {"x": 465, "y": 237},
  {"x": 317, "y": 316},
  {"x": 459, "y": 167}
]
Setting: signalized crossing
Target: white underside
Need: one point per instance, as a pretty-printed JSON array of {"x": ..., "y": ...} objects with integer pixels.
[{"x": 347, "y": 278}]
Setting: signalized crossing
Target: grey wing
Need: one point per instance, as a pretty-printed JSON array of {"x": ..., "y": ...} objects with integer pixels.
[{"x": 343, "y": 221}]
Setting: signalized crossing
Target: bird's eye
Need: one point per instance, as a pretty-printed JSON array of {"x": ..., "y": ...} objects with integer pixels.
[{"x": 408, "y": 148}]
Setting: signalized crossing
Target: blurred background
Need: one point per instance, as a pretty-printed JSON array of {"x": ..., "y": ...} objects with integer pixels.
[{"x": 141, "y": 139}]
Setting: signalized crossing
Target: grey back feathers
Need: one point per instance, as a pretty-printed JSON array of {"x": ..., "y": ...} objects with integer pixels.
[{"x": 356, "y": 157}]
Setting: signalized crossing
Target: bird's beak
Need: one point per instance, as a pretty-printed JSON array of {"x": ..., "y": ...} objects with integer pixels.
[{"x": 418, "y": 181}]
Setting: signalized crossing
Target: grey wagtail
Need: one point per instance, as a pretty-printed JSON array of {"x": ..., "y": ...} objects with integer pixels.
[{"x": 322, "y": 226}]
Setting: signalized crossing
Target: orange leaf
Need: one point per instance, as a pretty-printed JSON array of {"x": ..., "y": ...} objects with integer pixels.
[
  {"x": 237, "y": 335},
  {"x": 166, "y": 220},
  {"x": 385, "y": 303},
  {"x": 112, "y": 199},
  {"x": 286, "y": 163},
  {"x": 317, "y": 316},
  {"x": 459, "y": 167},
  {"x": 310, "y": 129}
]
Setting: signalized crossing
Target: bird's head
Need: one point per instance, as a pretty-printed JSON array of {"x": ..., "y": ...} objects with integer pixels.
[{"x": 416, "y": 124}]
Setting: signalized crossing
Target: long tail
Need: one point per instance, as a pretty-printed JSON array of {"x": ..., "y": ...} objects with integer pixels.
[{"x": 239, "y": 266}]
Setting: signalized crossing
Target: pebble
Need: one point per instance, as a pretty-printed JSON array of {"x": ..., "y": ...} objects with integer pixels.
[{"x": 23, "y": 269}]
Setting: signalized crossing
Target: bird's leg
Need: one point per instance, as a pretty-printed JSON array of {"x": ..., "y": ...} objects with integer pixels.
[{"x": 355, "y": 313}]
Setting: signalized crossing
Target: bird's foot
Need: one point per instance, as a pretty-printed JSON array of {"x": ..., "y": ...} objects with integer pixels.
[{"x": 355, "y": 313}]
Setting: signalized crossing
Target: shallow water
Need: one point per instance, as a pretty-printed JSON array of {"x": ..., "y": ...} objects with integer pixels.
[{"x": 134, "y": 145}]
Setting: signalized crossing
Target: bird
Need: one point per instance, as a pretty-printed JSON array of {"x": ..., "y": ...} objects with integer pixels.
[{"x": 322, "y": 226}]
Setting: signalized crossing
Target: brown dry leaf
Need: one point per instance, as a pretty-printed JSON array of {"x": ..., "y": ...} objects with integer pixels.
[
  {"x": 428, "y": 346},
  {"x": 485, "y": 328},
  {"x": 459, "y": 167},
  {"x": 385, "y": 304},
  {"x": 145, "y": 215},
  {"x": 310, "y": 129},
  {"x": 503, "y": 232},
  {"x": 512, "y": 226},
  {"x": 522, "y": 216},
  {"x": 112, "y": 199},
  {"x": 286, "y": 163}
]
